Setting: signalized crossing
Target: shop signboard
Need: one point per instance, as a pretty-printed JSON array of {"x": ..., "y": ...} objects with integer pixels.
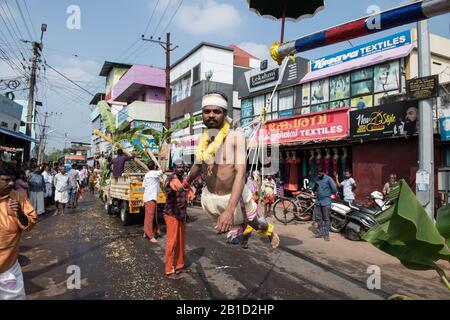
[
  {"x": 327, "y": 125},
  {"x": 444, "y": 128},
  {"x": 423, "y": 88},
  {"x": 377, "y": 46},
  {"x": 390, "y": 120},
  {"x": 263, "y": 78}
]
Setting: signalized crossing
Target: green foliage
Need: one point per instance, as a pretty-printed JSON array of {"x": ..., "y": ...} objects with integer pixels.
[
  {"x": 107, "y": 117},
  {"x": 406, "y": 232}
]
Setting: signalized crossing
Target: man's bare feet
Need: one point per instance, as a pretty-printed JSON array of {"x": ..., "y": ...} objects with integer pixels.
[
  {"x": 275, "y": 240},
  {"x": 153, "y": 240}
]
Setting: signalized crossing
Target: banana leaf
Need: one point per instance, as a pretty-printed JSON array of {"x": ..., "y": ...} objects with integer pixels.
[
  {"x": 443, "y": 222},
  {"x": 107, "y": 117},
  {"x": 138, "y": 148},
  {"x": 406, "y": 232},
  {"x": 123, "y": 126}
]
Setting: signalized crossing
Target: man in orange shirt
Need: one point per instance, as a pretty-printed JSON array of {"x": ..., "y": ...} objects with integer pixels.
[
  {"x": 16, "y": 215},
  {"x": 175, "y": 216}
]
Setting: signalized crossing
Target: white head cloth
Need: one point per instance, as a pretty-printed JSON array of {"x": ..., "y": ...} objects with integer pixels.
[{"x": 214, "y": 99}]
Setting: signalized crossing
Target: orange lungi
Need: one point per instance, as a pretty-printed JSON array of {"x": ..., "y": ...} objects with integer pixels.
[
  {"x": 151, "y": 225},
  {"x": 175, "y": 244}
]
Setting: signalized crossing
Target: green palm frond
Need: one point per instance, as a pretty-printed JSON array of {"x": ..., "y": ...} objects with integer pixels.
[
  {"x": 140, "y": 150},
  {"x": 123, "y": 126},
  {"x": 107, "y": 117}
]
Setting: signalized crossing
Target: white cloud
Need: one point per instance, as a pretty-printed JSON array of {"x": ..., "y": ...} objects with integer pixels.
[
  {"x": 76, "y": 69},
  {"x": 208, "y": 17},
  {"x": 259, "y": 50}
]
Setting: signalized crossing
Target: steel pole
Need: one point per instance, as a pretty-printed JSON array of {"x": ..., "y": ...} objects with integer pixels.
[{"x": 426, "y": 129}]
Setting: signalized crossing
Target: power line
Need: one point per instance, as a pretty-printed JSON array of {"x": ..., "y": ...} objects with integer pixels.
[
  {"x": 24, "y": 21},
  {"x": 20, "y": 36},
  {"x": 173, "y": 16},
  {"x": 9, "y": 31},
  {"x": 129, "y": 48},
  {"x": 162, "y": 16},
  {"x": 151, "y": 17},
  {"x": 68, "y": 79},
  {"x": 29, "y": 17}
]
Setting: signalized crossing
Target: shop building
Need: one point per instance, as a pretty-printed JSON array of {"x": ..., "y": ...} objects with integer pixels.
[
  {"x": 13, "y": 142},
  {"x": 207, "y": 67},
  {"x": 367, "y": 85},
  {"x": 136, "y": 93}
]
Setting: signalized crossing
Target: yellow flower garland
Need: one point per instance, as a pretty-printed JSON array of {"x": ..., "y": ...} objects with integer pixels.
[{"x": 207, "y": 151}]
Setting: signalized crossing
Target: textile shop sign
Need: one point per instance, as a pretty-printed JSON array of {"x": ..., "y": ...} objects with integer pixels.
[
  {"x": 364, "y": 50},
  {"x": 329, "y": 125},
  {"x": 390, "y": 120}
]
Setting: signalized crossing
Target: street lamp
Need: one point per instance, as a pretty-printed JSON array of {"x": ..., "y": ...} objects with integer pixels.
[{"x": 43, "y": 29}]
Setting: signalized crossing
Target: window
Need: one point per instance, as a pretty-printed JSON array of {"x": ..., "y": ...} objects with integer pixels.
[
  {"x": 319, "y": 91},
  {"x": 4, "y": 124},
  {"x": 362, "y": 87},
  {"x": 258, "y": 104},
  {"x": 196, "y": 74},
  {"x": 362, "y": 102},
  {"x": 340, "y": 87},
  {"x": 386, "y": 76},
  {"x": 286, "y": 103}
]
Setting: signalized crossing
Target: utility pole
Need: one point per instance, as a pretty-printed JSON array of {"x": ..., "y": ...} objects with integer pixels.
[
  {"x": 37, "y": 48},
  {"x": 167, "y": 48},
  {"x": 426, "y": 130},
  {"x": 42, "y": 140}
]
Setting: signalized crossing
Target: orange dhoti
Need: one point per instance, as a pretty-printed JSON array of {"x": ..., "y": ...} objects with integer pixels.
[
  {"x": 151, "y": 225},
  {"x": 175, "y": 244}
]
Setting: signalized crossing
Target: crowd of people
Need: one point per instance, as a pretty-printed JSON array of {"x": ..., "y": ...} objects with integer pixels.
[{"x": 63, "y": 186}]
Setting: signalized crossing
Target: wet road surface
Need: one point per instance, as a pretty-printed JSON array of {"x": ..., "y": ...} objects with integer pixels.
[{"x": 116, "y": 262}]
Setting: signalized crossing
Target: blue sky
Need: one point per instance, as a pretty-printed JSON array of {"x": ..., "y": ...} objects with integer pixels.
[{"x": 108, "y": 28}]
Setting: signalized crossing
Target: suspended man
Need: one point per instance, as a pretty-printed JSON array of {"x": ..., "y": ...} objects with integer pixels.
[{"x": 222, "y": 157}]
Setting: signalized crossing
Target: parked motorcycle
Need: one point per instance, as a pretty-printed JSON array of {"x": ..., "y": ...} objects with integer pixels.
[{"x": 355, "y": 220}]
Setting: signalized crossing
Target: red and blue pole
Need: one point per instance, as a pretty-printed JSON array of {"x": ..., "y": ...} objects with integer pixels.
[{"x": 388, "y": 19}]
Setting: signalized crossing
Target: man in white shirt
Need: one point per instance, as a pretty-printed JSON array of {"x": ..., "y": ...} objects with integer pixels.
[
  {"x": 48, "y": 178},
  {"x": 348, "y": 185},
  {"x": 61, "y": 182},
  {"x": 151, "y": 190}
]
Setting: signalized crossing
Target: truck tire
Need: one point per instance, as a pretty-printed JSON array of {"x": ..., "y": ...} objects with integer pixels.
[
  {"x": 108, "y": 207},
  {"x": 125, "y": 216}
]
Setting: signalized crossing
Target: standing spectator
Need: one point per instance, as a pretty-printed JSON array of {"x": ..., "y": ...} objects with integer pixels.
[
  {"x": 21, "y": 184},
  {"x": 391, "y": 185},
  {"x": 73, "y": 186},
  {"x": 269, "y": 187},
  {"x": 37, "y": 190},
  {"x": 348, "y": 186},
  {"x": 61, "y": 183},
  {"x": 48, "y": 178},
  {"x": 175, "y": 216},
  {"x": 91, "y": 180},
  {"x": 324, "y": 187},
  {"x": 151, "y": 185},
  {"x": 16, "y": 215},
  {"x": 84, "y": 177}
]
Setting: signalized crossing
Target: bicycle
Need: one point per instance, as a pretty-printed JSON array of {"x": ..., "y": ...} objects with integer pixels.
[{"x": 300, "y": 207}]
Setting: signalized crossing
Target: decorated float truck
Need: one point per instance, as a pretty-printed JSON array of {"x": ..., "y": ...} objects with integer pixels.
[{"x": 125, "y": 195}]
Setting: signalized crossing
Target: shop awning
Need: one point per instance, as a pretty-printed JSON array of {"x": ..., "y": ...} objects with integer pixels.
[
  {"x": 18, "y": 135},
  {"x": 367, "y": 61}
]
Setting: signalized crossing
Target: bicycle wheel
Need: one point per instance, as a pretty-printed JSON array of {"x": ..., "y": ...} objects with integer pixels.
[
  {"x": 305, "y": 212},
  {"x": 284, "y": 210}
]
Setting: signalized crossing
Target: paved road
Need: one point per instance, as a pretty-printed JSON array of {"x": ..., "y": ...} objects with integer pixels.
[{"x": 117, "y": 263}]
